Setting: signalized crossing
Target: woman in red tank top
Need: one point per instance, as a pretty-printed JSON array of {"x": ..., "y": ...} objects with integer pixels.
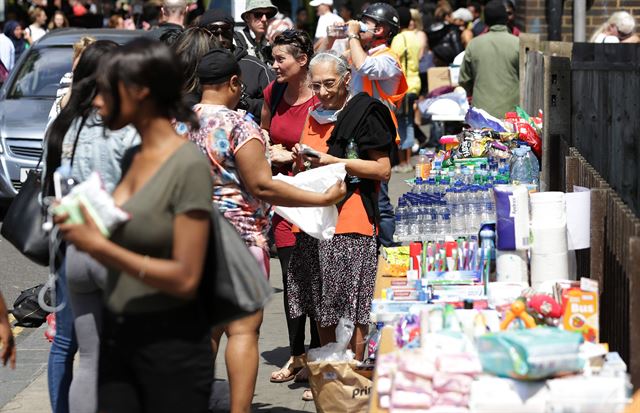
[{"x": 287, "y": 102}]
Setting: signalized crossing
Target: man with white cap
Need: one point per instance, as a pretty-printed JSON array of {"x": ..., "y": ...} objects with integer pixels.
[
  {"x": 253, "y": 38},
  {"x": 326, "y": 18}
]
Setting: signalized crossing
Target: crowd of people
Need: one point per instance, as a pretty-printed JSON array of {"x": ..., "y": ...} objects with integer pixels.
[{"x": 196, "y": 114}]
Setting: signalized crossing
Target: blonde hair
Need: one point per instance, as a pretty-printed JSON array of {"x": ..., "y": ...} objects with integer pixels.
[
  {"x": 416, "y": 17},
  {"x": 623, "y": 21},
  {"x": 80, "y": 45}
]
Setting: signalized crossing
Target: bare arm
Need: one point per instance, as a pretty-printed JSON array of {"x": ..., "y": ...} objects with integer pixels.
[
  {"x": 7, "y": 344},
  {"x": 378, "y": 168},
  {"x": 178, "y": 276},
  {"x": 256, "y": 176}
]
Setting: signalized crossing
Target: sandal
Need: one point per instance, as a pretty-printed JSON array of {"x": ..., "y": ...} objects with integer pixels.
[
  {"x": 302, "y": 376},
  {"x": 289, "y": 371},
  {"x": 307, "y": 395}
]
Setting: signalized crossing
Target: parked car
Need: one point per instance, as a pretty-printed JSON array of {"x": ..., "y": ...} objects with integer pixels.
[{"x": 27, "y": 96}]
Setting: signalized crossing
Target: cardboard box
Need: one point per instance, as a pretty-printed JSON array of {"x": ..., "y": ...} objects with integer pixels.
[{"x": 438, "y": 77}]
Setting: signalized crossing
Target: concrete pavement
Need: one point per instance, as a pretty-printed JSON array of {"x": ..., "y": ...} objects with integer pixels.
[{"x": 28, "y": 384}]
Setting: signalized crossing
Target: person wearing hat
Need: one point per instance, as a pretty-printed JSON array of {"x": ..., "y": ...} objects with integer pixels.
[
  {"x": 243, "y": 188},
  {"x": 257, "y": 74},
  {"x": 326, "y": 18},
  {"x": 253, "y": 38},
  {"x": 490, "y": 69},
  {"x": 462, "y": 18},
  {"x": 376, "y": 70}
]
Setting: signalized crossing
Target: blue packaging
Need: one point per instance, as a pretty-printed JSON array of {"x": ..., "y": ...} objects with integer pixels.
[{"x": 512, "y": 217}]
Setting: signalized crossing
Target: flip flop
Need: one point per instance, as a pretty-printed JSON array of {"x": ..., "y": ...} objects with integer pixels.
[{"x": 282, "y": 377}]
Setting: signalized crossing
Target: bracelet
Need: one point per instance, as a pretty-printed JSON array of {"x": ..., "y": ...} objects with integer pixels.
[
  {"x": 354, "y": 36},
  {"x": 143, "y": 268}
]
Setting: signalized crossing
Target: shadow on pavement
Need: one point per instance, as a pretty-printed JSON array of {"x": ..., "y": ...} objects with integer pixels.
[
  {"x": 264, "y": 407},
  {"x": 276, "y": 357}
]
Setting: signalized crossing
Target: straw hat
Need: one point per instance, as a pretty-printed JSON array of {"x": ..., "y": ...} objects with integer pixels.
[{"x": 260, "y": 4}]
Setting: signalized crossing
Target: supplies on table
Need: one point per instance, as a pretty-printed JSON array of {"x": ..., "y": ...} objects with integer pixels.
[
  {"x": 395, "y": 261},
  {"x": 335, "y": 384}
]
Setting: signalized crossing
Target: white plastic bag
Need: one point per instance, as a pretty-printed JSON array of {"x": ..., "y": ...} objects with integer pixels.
[
  {"x": 318, "y": 222},
  {"x": 335, "y": 351}
]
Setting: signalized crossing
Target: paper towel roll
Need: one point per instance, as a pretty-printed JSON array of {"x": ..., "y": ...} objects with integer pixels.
[
  {"x": 548, "y": 239},
  {"x": 511, "y": 266},
  {"x": 548, "y": 207},
  {"x": 546, "y": 267}
]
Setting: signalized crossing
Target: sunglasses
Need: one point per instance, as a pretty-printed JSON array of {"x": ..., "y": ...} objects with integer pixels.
[
  {"x": 260, "y": 14},
  {"x": 218, "y": 29}
]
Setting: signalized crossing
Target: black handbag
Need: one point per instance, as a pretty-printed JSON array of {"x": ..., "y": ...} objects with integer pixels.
[
  {"x": 233, "y": 285},
  {"x": 22, "y": 225}
]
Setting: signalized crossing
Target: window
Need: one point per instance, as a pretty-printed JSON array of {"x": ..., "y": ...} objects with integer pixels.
[{"x": 40, "y": 72}]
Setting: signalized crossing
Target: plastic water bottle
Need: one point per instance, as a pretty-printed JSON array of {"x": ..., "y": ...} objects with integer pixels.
[
  {"x": 424, "y": 164},
  {"x": 428, "y": 224},
  {"x": 414, "y": 220},
  {"x": 417, "y": 186},
  {"x": 352, "y": 153},
  {"x": 535, "y": 166},
  {"x": 472, "y": 208},
  {"x": 444, "y": 218},
  {"x": 520, "y": 167},
  {"x": 430, "y": 187},
  {"x": 401, "y": 220}
]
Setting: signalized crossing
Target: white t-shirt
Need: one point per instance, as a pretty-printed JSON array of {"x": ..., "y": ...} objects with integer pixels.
[
  {"x": 325, "y": 21},
  {"x": 36, "y": 32},
  {"x": 603, "y": 38}
]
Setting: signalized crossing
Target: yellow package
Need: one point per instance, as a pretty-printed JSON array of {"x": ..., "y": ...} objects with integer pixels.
[{"x": 581, "y": 313}]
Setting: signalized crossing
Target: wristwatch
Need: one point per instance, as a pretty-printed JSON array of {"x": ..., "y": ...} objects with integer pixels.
[{"x": 353, "y": 36}]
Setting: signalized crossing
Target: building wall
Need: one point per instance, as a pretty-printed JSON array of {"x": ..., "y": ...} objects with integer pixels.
[{"x": 532, "y": 15}]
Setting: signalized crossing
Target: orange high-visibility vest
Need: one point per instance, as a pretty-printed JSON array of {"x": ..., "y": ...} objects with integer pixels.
[{"x": 397, "y": 96}]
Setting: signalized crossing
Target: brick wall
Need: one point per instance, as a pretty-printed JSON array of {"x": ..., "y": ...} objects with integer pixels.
[{"x": 532, "y": 15}]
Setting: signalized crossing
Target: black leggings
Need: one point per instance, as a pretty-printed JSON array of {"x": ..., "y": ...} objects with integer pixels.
[
  {"x": 158, "y": 362},
  {"x": 295, "y": 326}
]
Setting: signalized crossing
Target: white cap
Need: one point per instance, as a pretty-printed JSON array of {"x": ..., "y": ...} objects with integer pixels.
[
  {"x": 316, "y": 3},
  {"x": 462, "y": 14}
]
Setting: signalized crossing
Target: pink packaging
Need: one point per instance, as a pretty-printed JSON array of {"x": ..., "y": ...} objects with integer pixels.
[
  {"x": 410, "y": 382},
  {"x": 452, "y": 399},
  {"x": 417, "y": 363},
  {"x": 462, "y": 363},
  {"x": 406, "y": 399},
  {"x": 446, "y": 382}
]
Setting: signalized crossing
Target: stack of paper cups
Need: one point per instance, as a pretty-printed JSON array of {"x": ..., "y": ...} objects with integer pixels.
[
  {"x": 511, "y": 266},
  {"x": 549, "y": 253}
]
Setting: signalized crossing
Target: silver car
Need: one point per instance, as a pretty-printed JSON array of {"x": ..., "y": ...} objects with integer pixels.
[{"x": 27, "y": 96}]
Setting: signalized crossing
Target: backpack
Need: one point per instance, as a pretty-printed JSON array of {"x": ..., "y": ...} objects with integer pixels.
[{"x": 26, "y": 309}]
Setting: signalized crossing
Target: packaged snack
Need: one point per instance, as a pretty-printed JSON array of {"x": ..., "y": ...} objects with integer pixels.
[{"x": 581, "y": 313}]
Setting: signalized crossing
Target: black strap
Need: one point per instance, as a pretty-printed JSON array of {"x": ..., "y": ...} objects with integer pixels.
[
  {"x": 75, "y": 142},
  {"x": 277, "y": 93}
]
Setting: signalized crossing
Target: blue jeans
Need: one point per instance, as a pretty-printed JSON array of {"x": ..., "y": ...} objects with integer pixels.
[
  {"x": 406, "y": 131},
  {"x": 387, "y": 217},
  {"x": 63, "y": 349}
]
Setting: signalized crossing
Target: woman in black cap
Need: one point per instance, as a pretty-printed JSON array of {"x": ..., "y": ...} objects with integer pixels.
[{"x": 242, "y": 190}]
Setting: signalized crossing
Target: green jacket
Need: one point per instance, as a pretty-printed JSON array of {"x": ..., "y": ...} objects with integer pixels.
[{"x": 490, "y": 71}]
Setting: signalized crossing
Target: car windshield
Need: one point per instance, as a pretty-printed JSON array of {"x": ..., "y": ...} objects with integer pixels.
[{"x": 40, "y": 73}]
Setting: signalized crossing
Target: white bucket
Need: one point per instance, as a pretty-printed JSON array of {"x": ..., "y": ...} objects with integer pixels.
[
  {"x": 548, "y": 239},
  {"x": 545, "y": 267},
  {"x": 548, "y": 208}
]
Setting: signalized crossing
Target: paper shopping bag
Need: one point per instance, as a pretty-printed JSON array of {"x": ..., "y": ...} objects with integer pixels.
[{"x": 338, "y": 388}]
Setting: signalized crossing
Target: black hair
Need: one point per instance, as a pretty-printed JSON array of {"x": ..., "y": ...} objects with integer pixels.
[
  {"x": 298, "y": 43},
  {"x": 189, "y": 47},
  {"x": 80, "y": 104},
  {"x": 147, "y": 63}
]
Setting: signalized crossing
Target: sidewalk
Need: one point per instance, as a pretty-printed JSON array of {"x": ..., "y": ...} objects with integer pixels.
[{"x": 274, "y": 352}]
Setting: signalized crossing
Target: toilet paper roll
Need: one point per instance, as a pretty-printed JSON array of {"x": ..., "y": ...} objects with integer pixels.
[
  {"x": 511, "y": 266},
  {"x": 545, "y": 267},
  {"x": 549, "y": 239}
]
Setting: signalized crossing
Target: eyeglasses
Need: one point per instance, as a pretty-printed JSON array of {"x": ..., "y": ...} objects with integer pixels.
[
  {"x": 328, "y": 84},
  {"x": 261, "y": 14},
  {"x": 219, "y": 29}
]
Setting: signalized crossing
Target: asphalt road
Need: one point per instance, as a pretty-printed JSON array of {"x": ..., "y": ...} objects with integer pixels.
[{"x": 17, "y": 273}]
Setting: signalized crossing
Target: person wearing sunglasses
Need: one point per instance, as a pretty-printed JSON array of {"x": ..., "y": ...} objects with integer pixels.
[
  {"x": 334, "y": 279},
  {"x": 253, "y": 38},
  {"x": 257, "y": 74},
  {"x": 242, "y": 190}
]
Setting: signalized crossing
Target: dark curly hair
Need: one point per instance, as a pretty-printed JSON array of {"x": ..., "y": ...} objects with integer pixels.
[{"x": 297, "y": 42}]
